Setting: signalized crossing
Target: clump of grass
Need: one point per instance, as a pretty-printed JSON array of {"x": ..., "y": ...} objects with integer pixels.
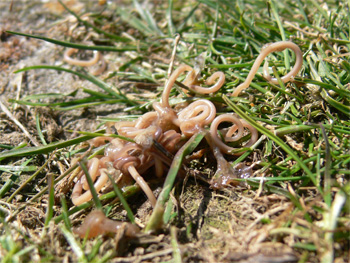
[{"x": 303, "y": 157}]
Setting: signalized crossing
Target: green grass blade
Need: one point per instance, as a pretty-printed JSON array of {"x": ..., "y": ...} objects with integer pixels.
[
  {"x": 49, "y": 209},
  {"x": 280, "y": 27},
  {"x": 169, "y": 17},
  {"x": 74, "y": 244},
  {"x": 65, "y": 212},
  {"x": 80, "y": 46},
  {"x": 87, "y": 76},
  {"x": 125, "y": 204},
  {"x": 190, "y": 14},
  {"x": 91, "y": 185},
  {"x": 30, "y": 179},
  {"x": 339, "y": 106},
  {"x": 44, "y": 149},
  {"x": 9, "y": 183},
  {"x": 38, "y": 128},
  {"x": 134, "y": 22},
  {"x": 15, "y": 168}
]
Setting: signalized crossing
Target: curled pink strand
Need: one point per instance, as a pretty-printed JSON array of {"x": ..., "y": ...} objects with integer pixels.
[
  {"x": 158, "y": 164},
  {"x": 142, "y": 183},
  {"x": 83, "y": 63},
  {"x": 146, "y": 120},
  {"x": 214, "y": 131},
  {"x": 211, "y": 80},
  {"x": 96, "y": 223},
  {"x": 99, "y": 141},
  {"x": 101, "y": 68},
  {"x": 266, "y": 50},
  {"x": 169, "y": 140},
  {"x": 127, "y": 129},
  {"x": 200, "y": 111},
  {"x": 170, "y": 83},
  {"x": 128, "y": 149},
  {"x": 146, "y": 136},
  {"x": 167, "y": 117},
  {"x": 113, "y": 149},
  {"x": 123, "y": 163},
  {"x": 78, "y": 197},
  {"x": 196, "y": 115}
]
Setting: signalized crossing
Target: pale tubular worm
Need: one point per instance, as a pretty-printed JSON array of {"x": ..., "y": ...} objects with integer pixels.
[
  {"x": 77, "y": 62},
  {"x": 191, "y": 77},
  {"x": 126, "y": 163},
  {"x": 214, "y": 131},
  {"x": 146, "y": 136},
  {"x": 78, "y": 198},
  {"x": 170, "y": 83},
  {"x": 113, "y": 149},
  {"x": 158, "y": 164},
  {"x": 93, "y": 165},
  {"x": 196, "y": 115},
  {"x": 86, "y": 63},
  {"x": 200, "y": 111},
  {"x": 169, "y": 140},
  {"x": 167, "y": 117},
  {"x": 142, "y": 183},
  {"x": 265, "y": 51},
  {"x": 146, "y": 120},
  {"x": 99, "y": 141},
  {"x": 211, "y": 80},
  {"x": 96, "y": 223}
]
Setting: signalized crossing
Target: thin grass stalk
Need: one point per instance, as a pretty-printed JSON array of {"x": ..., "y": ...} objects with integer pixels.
[
  {"x": 49, "y": 210},
  {"x": 91, "y": 185},
  {"x": 19, "y": 152},
  {"x": 167, "y": 212},
  {"x": 65, "y": 212},
  {"x": 248, "y": 152},
  {"x": 175, "y": 245},
  {"x": 74, "y": 244},
  {"x": 283, "y": 35},
  {"x": 7, "y": 186},
  {"x": 125, "y": 204},
  {"x": 330, "y": 219},
  {"x": 38, "y": 128},
  {"x": 327, "y": 170},
  {"x": 80, "y": 46},
  {"x": 169, "y": 17}
]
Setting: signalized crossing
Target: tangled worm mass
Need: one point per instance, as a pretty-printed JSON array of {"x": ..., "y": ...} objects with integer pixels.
[{"x": 170, "y": 126}]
